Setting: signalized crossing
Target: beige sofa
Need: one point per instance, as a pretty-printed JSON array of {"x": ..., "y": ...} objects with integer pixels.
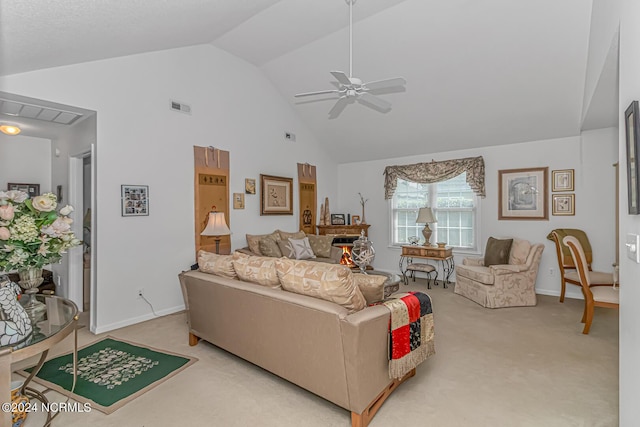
[
  {"x": 313, "y": 343},
  {"x": 506, "y": 285}
]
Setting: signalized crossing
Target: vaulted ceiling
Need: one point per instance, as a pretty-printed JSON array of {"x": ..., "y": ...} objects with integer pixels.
[{"x": 479, "y": 72}]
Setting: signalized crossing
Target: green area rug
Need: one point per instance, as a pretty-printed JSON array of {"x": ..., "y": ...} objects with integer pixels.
[{"x": 111, "y": 372}]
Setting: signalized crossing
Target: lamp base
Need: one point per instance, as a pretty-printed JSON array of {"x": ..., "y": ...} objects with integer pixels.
[
  {"x": 426, "y": 232},
  {"x": 218, "y": 246}
]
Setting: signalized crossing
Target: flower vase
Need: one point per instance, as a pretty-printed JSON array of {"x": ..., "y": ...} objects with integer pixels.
[{"x": 30, "y": 279}]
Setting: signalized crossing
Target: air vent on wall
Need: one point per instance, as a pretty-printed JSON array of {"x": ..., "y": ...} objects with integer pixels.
[{"x": 178, "y": 106}]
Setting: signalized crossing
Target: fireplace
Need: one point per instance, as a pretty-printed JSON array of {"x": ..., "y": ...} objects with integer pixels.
[{"x": 346, "y": 243}]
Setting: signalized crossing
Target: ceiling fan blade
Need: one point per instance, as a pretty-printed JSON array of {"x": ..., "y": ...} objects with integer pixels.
[
  {"x": 374, "y": 102},
  {"x": 337, "y": 109},
  {"x": 341, "y": 77},
  {"x": 320, "y": 92},
  {"x": 382, "y": 84}
]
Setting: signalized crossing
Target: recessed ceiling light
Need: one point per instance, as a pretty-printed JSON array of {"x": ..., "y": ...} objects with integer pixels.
[{"x": 10, "y": 129}]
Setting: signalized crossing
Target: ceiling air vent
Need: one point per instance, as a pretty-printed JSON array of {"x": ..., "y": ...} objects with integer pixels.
[{"x": 178, "y": 106}]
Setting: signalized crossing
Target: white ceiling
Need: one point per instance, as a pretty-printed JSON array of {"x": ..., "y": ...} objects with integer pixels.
[{"x": 479, "y": 72}]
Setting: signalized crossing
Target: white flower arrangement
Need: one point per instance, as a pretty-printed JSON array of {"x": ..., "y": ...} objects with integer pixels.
[{"x": 32, "y": 233}]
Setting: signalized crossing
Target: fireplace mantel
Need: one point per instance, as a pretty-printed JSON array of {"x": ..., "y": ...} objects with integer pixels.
[{"x": 343, "y": 230}]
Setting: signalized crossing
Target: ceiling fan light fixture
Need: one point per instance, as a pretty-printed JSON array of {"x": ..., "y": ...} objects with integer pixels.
[
  {"x": 11, "y": 130},
  {"x": 350, "y": 88}
]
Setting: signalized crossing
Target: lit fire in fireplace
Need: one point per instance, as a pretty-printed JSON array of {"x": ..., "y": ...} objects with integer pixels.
[{"x": 346, "y": 257}]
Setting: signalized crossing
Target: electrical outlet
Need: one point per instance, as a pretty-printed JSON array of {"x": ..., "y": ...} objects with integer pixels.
[
  {"x": 140, "y": 293},
  {"x": 551, "y": 272}
]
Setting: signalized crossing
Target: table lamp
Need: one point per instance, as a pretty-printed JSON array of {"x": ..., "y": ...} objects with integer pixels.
[
  {"x": 425, "y": 216},
  {"x": 216, "y": 227}
]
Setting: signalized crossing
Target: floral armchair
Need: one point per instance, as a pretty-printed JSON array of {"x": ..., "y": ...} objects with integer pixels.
[{"x": 504, "y": 285}]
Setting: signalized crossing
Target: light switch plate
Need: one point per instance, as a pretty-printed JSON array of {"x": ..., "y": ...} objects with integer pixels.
[{"x": 633, "y": 247}]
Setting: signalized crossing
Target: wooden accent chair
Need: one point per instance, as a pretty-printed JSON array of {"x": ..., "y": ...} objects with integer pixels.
[
  {"x": 565, "y": 261},
  {"x": 601, "y": 296}
]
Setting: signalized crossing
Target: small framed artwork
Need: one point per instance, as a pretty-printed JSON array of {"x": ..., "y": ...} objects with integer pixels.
[
  {"x": 562, "y": 180},
  {"x": 563, "y": 204},
  {"x": 238, "y": 200},
  {"x": 522, "y": 194},
  {"x": 337, "y": 219},
  {"x": 276, "y": 195},
  {"x": 250, "y": 186},
  {"x": 32, "y": 190},
  {"x": 135, "y": 200},
  {"x": 632, "y": 127},
  {"x": 355, "y": 219}
]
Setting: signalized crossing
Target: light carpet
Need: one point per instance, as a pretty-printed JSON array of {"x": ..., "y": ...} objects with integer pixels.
[{"x": 516, "y": 367}]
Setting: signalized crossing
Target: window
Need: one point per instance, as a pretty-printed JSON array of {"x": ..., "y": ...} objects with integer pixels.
[{"x": 454, "y": 204}]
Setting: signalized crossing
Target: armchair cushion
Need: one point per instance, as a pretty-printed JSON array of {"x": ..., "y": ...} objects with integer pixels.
[
  {"x": 520, "y": 250},
  {"x": 497, "y": 251},
  {"x": 476, "y": 273}
]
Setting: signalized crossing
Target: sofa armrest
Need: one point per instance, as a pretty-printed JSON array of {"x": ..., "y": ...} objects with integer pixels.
[
  {"x": 336, "y": 254},
  {"x": 508, "y": 268},
  {"x": 476, "y": 261}
]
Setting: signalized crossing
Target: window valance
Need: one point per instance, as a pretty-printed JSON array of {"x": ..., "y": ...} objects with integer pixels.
[{"x": 428, "y": 173}]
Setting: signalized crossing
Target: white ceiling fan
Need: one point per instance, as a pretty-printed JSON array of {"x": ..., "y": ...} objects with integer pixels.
[{"x": 351, "y": 89}]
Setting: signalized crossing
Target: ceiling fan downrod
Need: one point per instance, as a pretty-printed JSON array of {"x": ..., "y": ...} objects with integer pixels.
[{"x": 350, "y": 3}]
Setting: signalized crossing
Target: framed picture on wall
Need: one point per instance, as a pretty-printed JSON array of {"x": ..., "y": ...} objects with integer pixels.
[
  {"x": 238, "y": 200},
  {"x": 632, "y": 127},
  {"x": 276, "y": 195},
  {"x": 32, "y": 190},
  {"x": 563, "y": 204},
  {"x": 522, "y": 194},
  {"x": 135, "y": 200},
  {"x": 562, "y": 180}
]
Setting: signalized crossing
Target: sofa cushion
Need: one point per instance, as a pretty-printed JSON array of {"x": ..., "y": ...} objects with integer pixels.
[
  {"x": 371, "y": 286},
  {"x": 284, "y": 235},
  {"x": 321, "y": 245},
  {"x": 269, "y": 247},
  {"x": 220, "y": 265},
  {"x": 253, "y": 241},
  {"x": 497, "y": 251},
  {"x": 476, "y": 273},
  {"x": 519, "y": 251},
  {"x": 256, "y": 269},
  {"x": 301, "y": 248},
  {"x": 325, "y": 281},
  {"x": 286, "y": 249}
]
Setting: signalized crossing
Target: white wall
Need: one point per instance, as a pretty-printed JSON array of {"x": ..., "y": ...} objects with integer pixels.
[
  {"x": 592, "y": 157},
  {"x": 629, "y": 271},
  {"x": 234, "y": 107},
  {"x": 24, "y": 159}
]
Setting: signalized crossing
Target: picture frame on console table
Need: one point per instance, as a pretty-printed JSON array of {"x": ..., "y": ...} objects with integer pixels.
[
  {"x": 276, "y": 195},
  {"x": 338, "y": 219},
  {"x": 32, "y": 190},
  {"x": 522, "y": 194},
  {"x": 135, "y": 200},
  {"x": 632, "y": 127}
]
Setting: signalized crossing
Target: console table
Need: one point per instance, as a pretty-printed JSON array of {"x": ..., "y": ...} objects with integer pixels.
[
  {"x": 343, "y": 230},
  {"x": 58, "y": 321},
  {"x": 444, "y": 255}
]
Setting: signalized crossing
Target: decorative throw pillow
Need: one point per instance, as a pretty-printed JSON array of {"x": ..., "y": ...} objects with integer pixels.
[
  {"x": 286, "y": 249},
  {"x": 371, "y": 286},
  {"x": 256, "y": 269},
  {"x": 269, "y": 247},
  {"x": 497, "y": 251},
  {"x": 301, "y": 248},
  {"x": 329, "y": 282},
  {"x": 519, "y": 251},
  {"x": 220, "y": 265},
  {"x": 284, "y": 235},
  {"x": 253, "y": 241},
  {"x": 321, "y": 245}
]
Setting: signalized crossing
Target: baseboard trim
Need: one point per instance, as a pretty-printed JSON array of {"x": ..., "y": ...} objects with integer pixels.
[{"x": 132, "y": 321}]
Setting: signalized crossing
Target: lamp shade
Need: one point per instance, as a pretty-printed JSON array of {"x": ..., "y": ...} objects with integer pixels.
[
  {"x": 217, "y": 225},
  {"x": 425, "y": 216}
]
